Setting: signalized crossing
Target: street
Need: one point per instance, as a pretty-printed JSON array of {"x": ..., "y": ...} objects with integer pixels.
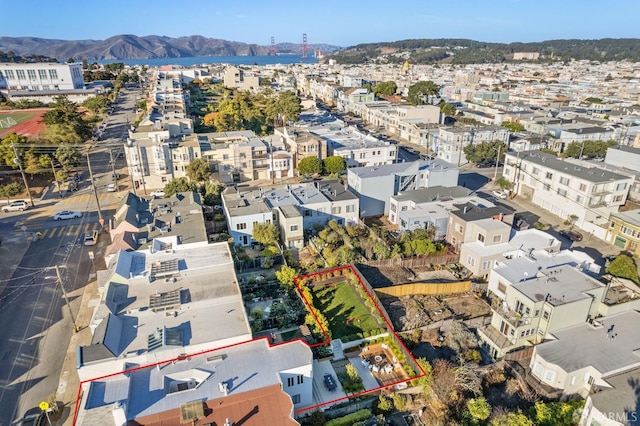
[{"x": 36, "y": 323}]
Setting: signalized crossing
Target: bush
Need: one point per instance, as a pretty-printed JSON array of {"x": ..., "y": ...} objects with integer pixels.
[
  {"x": 350, "y": 419},
  {"x": 494, "y": 377}
]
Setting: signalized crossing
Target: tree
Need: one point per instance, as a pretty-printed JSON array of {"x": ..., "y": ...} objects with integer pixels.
[
  {"x": 178, "y": 185},
  {"x": 334, "y": 164},
  {"x": 310, "y": 166},
  {"x": 317, "y": 418},
  {"x": 199, "y": 170},
  {"x": 68, "y": 156},
  {"x": 10, "y": 190},
  {"x": 421, "y": 90},
  {"x": 448, "y": 109},
  {"x": 386, "y": 88},
  {"x": 6, "y": 150},
  {"x": 352, "y": 373},
  {"x": 284, "y": 108},
  {"x": 479, "y": 408},
  {"x": 96, "y": 104},
  {"x": 513, "y": 126},
  {"x": 624, "y": 266},
  {"x": 511, "y": 419},
  {"x": 65, "y": 123},
  {"x": 385, "y": 405},
  {"x": 503, "y": 183},
  {"x": 211, "y": 192},
  {"x": 485, "y": 151},
  {"x": 209, "y": 120},
  {"x": 265, "y": 233},
  {"x": 425, "y": 381},
  {"x": 286, "y": 274}
]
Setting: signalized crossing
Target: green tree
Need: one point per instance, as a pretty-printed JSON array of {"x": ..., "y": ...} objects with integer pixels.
[
  {"x": 310, "y": 166},
  {"x": 399, "y": 401},
  {"x": 317, "y": 418},
  {"x": 352, "y": 373},
  {"x": 425, "y": 381},
  {"x": 386, "y": 88},
  {"x": 385, "y": 405},
  {"x": 448, "y": 109},
  {"x": 420, "y": 92},
  {"x": 199, "y": 170},
  {"x": 624, "y": 266},
  {"x": 555, "y": 413},
  {"x": 178, "y": 185},
  {"x": 286, "y": 274},
  {"x": 286, "y": 107},
  {"x": 65, "y": 123},
  {"x": 10, "y": 190},
  {"x": 6, "y": 150},
  {"x": 96, "y": 104},
  {"x": 68, "y": 156},
  {"x": 511, "y": 419},
  {"x": 593, "y": 100},
  {"x": 503, "y": 183},
  {"x": 334, "y": 164},
  {"x": 265, "y": 233},
  {"x": 479, "y": 408},
  {"x": 211, "y": 192},
  {"x": 513, "y": 126},
  {"x": 485, "y": 151}
]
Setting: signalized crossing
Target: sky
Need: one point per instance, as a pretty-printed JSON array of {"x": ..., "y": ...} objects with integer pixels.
[{"x": 338, "y": 22}]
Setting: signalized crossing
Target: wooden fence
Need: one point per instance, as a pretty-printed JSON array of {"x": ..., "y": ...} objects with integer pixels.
[{"x": 429, "y": 289}]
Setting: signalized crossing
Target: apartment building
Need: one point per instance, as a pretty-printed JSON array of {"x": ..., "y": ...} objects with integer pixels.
[
  {"x": 301, "y": 144},
  {"x": 540, "y": 305},
  {"x": 587, "y": 194},
  {"x": 624, "y": 231},
  {"x": 449, "y": 142},
  {"x": 40, "y": 77},
  {"x": 428, "y": 208},
  {"x": 376, "y": 185},
  {"x": 316, "y": 203},
  {"x": 625, "y": 160},
  {"x": 241, "y": 79},
  {"x": 459, "y": 229}
]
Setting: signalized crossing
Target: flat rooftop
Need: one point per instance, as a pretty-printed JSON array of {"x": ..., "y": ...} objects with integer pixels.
[
  {"x": 610, "y": 348},
  {"x": 631, "y": 217},
  {"x": 559, "y": 285},
  {"x": 592, "y": 174}
]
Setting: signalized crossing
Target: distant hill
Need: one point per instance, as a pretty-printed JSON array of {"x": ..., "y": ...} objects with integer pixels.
[
  {"x": 147, "y": 47},
  {"x": 463, "y": 51}
]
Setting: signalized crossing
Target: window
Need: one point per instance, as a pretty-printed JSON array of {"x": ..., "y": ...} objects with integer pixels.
[
  {"x": 562, "y": 192},
  {"x": 471, "y": 261},
  {"x": 502, "y": 287},
  {"x": 613, "y": 224},
  {"x": 545, "y": 315},
  {"x": 42, "y": 74},
  {"x": 583, "y": 187},
  {"x": 290, "y": 381},
  {"x": 549, "y": 376},
  {"x": 293, "y": 228},
  {"x": 243, "y": 155},
  {"x": 392, "y": 207},
  {"x": 403, "y": 208},
  {"x": 53, "y": 74},
  {"x": 459, "y": 228},
  {"x": 225, "y": 156},
  {"x": 564, "y": 181},
  {"x": 20, "y": 74},
  {"x": 497, "y": 238},
  {"x": 481, "y": 238},
  {"x": 295, "y": 399},
  {"x": 241, "y": 226},
  {"x": 621, "y": 186},
  {"x": 9, "y": 74},
  {"x": 579, "y": 198},
  {"x": 535, "y": 171},
  {"x": 547, "y": 187},
  {"x": 336, "y": 210},
  {"x": 300, "y": 379},
  {"x": 618, "y": 198},
  {"x": 307, "y": 212},
  {"x": 351, "y": 208},
  {"x": 32, "y": 74},
  {"x": 486, "y": 264},
  {"x": 549, "y": 175},
  {"x": 628, "y": 231}
]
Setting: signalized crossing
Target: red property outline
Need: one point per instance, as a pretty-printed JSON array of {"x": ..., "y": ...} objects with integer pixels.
[{"x": 327, "y": 341}]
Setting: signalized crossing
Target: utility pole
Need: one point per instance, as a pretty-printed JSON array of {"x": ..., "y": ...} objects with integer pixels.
[
  {"x": 95, "y": 191},
  {"x": 495, "y": 174},
  {"x": 53, "y": 168},
  {"x": 113, "y": 169},
  {"x": 66, "y": 299},
  {"x": 16, "y": 160}
]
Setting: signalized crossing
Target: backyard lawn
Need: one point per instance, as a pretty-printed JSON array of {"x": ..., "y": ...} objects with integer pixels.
[{"x": 345, "y": 311}]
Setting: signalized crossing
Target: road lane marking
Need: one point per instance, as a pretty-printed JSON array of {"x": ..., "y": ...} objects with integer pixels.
[
  {"x": 61, "y": 233},
  {"x": 70, "y": 230}
]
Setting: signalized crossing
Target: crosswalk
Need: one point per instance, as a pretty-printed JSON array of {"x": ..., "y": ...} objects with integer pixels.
[
  {"x": 63, "y": 230},
  {"x": 109, "y": 197}
]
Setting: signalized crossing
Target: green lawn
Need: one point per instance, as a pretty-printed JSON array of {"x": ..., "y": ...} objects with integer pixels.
[
  {"x": 10, "y": 119},
  {"x": 344, "y": 310}
]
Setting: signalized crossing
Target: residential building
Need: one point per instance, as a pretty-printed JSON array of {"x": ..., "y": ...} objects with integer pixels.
[
  {"x": 301, "y": 144},
  {"x": 537, "y": 307},
  {"x": 316, "y": 202},
  {"x": 252, "y": 380},
  {"x": 376, "y": 185},
  {"x": 624, "y": 231},
  {"x": 238, "y": 78},
  {"x": 348, "y": 97},
  {"x": 581, "y": 359},
  {"x": 449, "y": 142},
  {"x": 588, "y": 195},
  {"x": 614, "y": 405},
  {"x": 160, "y": 303},
  {"x": 626, "y": 160},
  {"x": 459, "y": 229},
  {"x": 428, "y": 208}
]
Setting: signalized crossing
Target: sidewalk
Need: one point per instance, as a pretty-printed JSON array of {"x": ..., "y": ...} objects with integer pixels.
[{"x": 69, "y": 381}]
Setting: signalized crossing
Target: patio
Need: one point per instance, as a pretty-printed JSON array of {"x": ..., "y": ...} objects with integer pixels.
[{"x": 379, "y": 360}]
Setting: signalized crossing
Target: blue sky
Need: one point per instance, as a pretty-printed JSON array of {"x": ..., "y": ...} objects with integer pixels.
[{"x": 343, "y": 23}]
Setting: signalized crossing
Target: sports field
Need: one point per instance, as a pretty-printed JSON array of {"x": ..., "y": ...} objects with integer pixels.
[{"x": 25, "y": 123}]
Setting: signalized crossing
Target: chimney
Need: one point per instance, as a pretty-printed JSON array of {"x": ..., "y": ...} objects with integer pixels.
[{"x": 465, "y": 210}]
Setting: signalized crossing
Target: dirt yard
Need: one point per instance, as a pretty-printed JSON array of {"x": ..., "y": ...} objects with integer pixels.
[{"x": 391, "y": 275}]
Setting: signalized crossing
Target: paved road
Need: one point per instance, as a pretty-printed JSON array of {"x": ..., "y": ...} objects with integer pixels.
[{"x": 36, "y": 323}]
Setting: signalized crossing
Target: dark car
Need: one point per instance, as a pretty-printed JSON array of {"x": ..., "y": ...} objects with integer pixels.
[
  {"x": 485, "y": 164},
  {"x": 34, "y": 417},
  {"x": 77, "y": 177},
  {"x": 306, "y": 179},
  {"x": 571, "y": 235}
]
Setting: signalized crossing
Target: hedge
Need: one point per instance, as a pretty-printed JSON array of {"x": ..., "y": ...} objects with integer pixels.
[{"x": 350, "y": 419}]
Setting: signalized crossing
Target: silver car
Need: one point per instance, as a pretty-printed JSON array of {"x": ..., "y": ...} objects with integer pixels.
[{"x": 66, "y": 214}]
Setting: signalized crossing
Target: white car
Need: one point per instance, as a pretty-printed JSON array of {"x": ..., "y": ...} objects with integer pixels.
[
  {"x": 111, "y": 187},
  {"x": 91, "y": 238},
  {"x": 500, "y": 194},
  {"x": 15, "y": 206},
  {"x": 66, "y": 214},
  {"x": 157, "y": 194}
]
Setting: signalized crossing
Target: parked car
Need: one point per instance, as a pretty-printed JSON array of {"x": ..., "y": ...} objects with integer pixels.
[
  {"x": 15, "y": 206},
  {"x": 77, "y": 177},
  {"x": 157, "y": 194},
  {"x": 91, "y": 238},
  {"x": 34, "y": 417},
  {"x": 111, "y": 187},
  {"x": 500, "y": 194},
  {"x": 571, "y": 235},
  {"x": 72, "y": 186},
  {"x": 485, "y": 164},
  {"x": 306, "y": 179},
  {"x": 66, "y": 214},
  {"x": 217, "y": 208}
]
